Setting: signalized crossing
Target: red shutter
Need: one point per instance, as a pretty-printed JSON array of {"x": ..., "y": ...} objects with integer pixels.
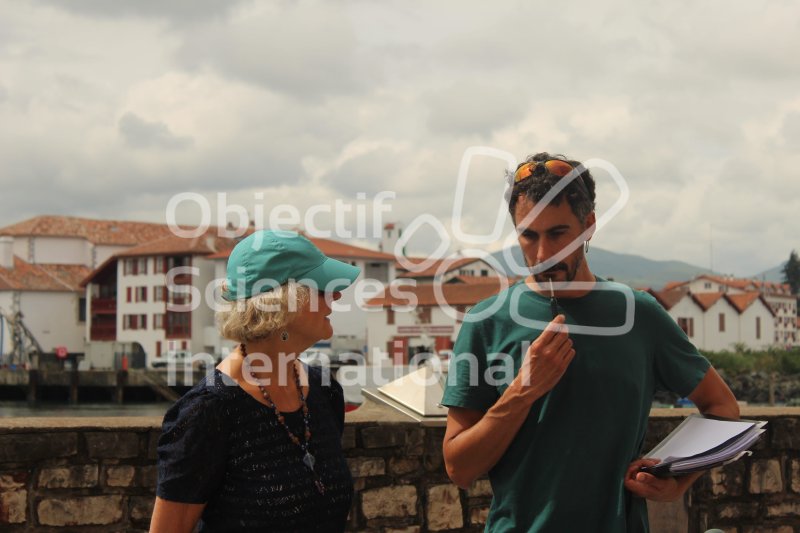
[{"x": 128, "y": 294}]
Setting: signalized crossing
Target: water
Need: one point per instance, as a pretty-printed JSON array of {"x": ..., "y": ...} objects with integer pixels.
[{"x": 42, "y": 409}]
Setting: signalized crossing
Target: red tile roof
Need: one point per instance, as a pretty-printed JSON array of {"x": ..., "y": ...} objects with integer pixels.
[
  {"x": 453, "y": 294},
  {"x": 112, "y": 232},
  {"x": 34, "y": 277},
  {"x": 668, "y": 298},
  {"x": 706, "y": 299},
  {"x": 172, "y": 244},
  {"x": 441, "y": 266}
]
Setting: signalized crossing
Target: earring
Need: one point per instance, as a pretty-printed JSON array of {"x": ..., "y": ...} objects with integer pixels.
[
  {"x": 284, "y": 335},
  {"x": 586, "y": 247}
]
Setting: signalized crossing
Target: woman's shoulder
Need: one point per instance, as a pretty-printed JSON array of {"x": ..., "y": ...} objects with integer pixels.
[{"x": 208, "y": 400}]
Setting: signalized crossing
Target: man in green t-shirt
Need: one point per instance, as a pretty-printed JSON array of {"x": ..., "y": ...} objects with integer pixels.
[{"x": 555, "y": 409}]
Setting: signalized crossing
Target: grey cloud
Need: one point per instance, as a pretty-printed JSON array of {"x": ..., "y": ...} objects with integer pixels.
[
  {"x": 177, "y": 11},
  {"x": 140, "y": 133},
  {"x": 470, "y": 108},
  {"x": 306, "y": 51},
  {"x": 790, "y": 129},
  {"x": 368, "y": 173}
]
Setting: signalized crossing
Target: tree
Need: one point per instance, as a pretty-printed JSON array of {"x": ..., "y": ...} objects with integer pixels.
[{"x": 791, "y": 272}]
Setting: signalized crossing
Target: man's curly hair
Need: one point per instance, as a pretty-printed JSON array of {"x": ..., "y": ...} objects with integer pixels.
[{"x": 579, "y": 192}]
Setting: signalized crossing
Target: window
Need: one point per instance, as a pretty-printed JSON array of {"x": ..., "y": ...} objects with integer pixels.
[
  {"x": 82, "y": 309},
  {"x": 390, "y": 316},
  {"x": 142, "y": 265},
  {"x": 158, "y": 348},
  {"x": 722, "y": 321},
  {"x": 142, "y": 321},
  {"x": 758, "y": 327},
  {"x": 159, "y": 265},
  {"x": 128, "y": 293},
  {"x": 159, "y": 294},
  {"x": 687, "y": 325},
  {"x": 158, "y": 321},
  {"x": 424, "y": 314},
  {"x": 141, "y": 294},
  {"x": 484, "y": 272},
  {"x": 707, "y": 285}
]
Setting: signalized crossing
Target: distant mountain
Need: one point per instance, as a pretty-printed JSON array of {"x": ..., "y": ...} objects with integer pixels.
[
  {"x": 773, "y": 274},
  {"x": 633, "y": 270}
]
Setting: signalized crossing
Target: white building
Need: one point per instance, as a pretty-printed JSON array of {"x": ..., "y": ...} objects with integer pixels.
[
  {"x": 777, "y": 295},
  {"x": 159, "y": 295},
  {"x": 43, "y": 260},
  {"x": 717, "y": 321}
]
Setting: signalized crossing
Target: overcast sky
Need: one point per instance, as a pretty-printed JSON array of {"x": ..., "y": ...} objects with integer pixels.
[{"x": 109, "y": 109}]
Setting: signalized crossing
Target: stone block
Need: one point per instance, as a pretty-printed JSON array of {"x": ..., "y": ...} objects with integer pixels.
[
  {"x": 726, "y": 480},
  {"x": 349, "y": 438},
  {"x": 152, "y": 444},
  {"x": 366, "y": 466},
  {"x": 762, "y": 529},
  {"x": 389, "y": 502},
  {"x": 141, "y": 508},
  {"x": 403, "y": 465},
  {"x": 147, "y": 476},
  {"x": 765, "y": 476},
  {"x": 112, "y": 445},
  {"x": 737, "y": 511},
  {"x": 60, "y": 477},
  {"x": 444, "y": 508},
  {"x": 480, "y": 487},
  {"x": 13, "y": 480},
  {"x": 120, "y": 476},
  {"x": 784, "y": 509},
  {"x": 478, "y": 515},
  {"x": 13, "y": 505},
  {"x": 89, "y": 510},
  {"x": 785, "y": 433},
  {"x": 415, "y": 442},
  {"x": 383, "y": 437},
  {"x": 795, "y": 483},
  {"x": 28, "y": 447}
]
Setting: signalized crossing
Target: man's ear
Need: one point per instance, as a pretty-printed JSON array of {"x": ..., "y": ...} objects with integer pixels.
[{"x": 591, "y": 220}]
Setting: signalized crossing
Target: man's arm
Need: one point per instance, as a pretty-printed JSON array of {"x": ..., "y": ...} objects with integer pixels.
[
  {"x": 475, "y": 441},
  {"x": 712, "y": 396}
]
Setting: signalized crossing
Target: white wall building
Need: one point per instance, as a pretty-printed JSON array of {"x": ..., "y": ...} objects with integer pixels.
[
  {"x": 718, "y": 321},
  {"x": 42, "y": 262},
  {"x": 777, "y": 295}
]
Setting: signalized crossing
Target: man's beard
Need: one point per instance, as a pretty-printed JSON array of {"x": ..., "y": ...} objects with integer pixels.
[{"x": 550, "y": 273}]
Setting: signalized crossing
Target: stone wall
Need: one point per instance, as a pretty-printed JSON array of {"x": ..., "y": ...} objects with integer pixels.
[{"x": 99, "y": 475}]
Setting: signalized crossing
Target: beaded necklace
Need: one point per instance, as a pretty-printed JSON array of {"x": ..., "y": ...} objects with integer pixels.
[{"x": 308, "y": 459}]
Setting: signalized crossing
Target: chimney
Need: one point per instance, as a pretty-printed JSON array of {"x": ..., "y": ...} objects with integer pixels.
[
  {"x": 6, "y": 252},
  {"x": 391, "y": 234}
]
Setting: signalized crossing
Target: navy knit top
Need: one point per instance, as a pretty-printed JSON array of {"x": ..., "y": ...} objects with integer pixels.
[{"x": 222, "y": 447}]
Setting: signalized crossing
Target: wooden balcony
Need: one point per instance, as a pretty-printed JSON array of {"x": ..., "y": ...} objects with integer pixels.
[
  {"x": 103, "y": 332},
  {"x": 104, "y": 306}
]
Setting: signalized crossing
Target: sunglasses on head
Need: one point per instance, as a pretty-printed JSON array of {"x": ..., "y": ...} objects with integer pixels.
[{"x": 557, "y": 167}]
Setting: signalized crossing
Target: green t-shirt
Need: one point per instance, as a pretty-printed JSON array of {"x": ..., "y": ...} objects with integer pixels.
[{"x": 564, "y": 470}]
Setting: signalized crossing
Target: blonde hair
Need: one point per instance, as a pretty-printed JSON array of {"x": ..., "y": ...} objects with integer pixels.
[{"x": 262, "y": 315}]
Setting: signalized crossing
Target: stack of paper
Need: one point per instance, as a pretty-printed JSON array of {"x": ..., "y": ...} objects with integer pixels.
[{"x": 702, "y": 442}]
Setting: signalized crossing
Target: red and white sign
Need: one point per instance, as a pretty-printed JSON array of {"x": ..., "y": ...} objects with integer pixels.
[{"x": 61, "y": 352}]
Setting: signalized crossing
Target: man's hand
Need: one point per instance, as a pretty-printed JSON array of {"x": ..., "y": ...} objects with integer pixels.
[
  {"x": 547, "y": 359},
  {"x": 655, "y": 488}
]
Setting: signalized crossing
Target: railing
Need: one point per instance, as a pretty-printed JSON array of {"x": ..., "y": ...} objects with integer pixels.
[
  {"x": 104, "y": 305},
  {"x": 103, "y": 332}
]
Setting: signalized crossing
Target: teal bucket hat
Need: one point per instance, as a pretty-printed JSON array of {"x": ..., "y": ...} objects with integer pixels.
[{"x": 267, "y": 259}]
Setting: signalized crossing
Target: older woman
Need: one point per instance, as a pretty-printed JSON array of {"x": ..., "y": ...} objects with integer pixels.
[{"x": 256, "y": 446}]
